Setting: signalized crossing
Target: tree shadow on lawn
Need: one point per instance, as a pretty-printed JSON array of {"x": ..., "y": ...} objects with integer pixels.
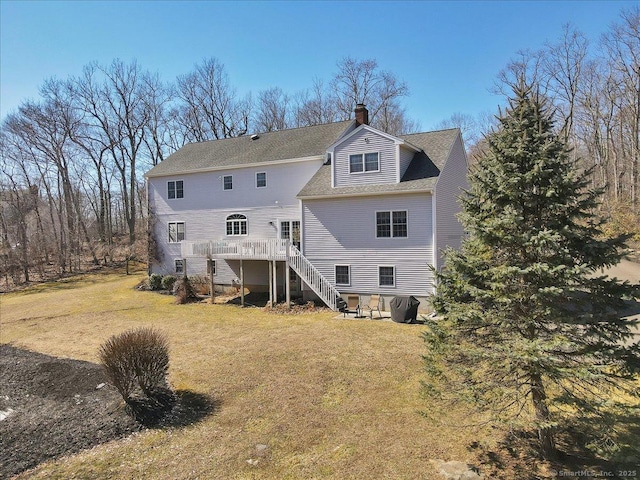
[
  {"x": 516, "y": 454},
  {"x": 54, "y": 407}
]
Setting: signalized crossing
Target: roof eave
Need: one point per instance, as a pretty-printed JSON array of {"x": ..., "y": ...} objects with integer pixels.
[
  {"x": 364, "y": 194},
  {"x": 235, "y": 166}
]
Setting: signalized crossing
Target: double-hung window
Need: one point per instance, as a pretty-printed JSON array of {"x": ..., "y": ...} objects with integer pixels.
[
  {"x": 227, "y": 182},
  {"x": 211, "y": 267},
  {"x": 176, "y": 232},
  {"x": 236, "y": 224},
  {"x": 391, "y": 224},
  {"x": 387, "y": 276},
  {"x": 343, "y": 275},
  {"x": 261, "y": 179},
  {"x": 175, "y": 189},
  {"x": 179, "y": 266},
  {"x": 368, "y": 162}
]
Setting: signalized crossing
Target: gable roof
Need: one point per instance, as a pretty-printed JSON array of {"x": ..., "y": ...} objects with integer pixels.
[
  {"x": 421, "y": 175},
  {"x": 288, "y": 144},
  {"x": 388, "y": 136}
]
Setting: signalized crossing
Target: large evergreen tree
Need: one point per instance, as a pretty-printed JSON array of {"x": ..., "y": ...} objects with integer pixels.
[{"x": 529, "y": 327}]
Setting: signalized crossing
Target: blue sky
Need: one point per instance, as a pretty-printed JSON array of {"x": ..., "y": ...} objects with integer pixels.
[{"x": 448, "y": 53}]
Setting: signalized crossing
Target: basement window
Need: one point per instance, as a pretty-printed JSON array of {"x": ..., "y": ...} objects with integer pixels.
[
  {"x": 179, "y": 266},
  {"x": 387, "y": 276},
  {"x": 343, "y": 275}
]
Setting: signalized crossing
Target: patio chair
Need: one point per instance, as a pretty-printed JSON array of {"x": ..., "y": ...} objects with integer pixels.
[
  {"x": 352, "y": 306},
  {"x": 374, "y": 304}
]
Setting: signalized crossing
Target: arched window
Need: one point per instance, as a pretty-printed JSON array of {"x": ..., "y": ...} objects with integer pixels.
[{"x": 236, "y": 224}]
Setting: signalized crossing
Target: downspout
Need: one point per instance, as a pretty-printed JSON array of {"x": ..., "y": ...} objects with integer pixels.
[
  {"x": 434, "y": 243},
  {"x": 149, "y": 232}
]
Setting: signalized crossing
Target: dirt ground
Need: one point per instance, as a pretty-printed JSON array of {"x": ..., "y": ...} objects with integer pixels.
[{"x": 53, "y": 407}]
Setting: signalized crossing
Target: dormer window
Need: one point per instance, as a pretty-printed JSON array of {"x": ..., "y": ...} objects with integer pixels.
[{"x": 368, "y": 162}]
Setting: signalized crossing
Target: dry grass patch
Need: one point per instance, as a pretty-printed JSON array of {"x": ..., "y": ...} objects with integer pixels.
[{"x": 300, "y": 396}]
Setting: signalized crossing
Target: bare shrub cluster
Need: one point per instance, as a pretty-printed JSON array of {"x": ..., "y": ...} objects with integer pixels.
[
  {"x": 184, "y": 291},
  {"x": 137, "y": 363}
]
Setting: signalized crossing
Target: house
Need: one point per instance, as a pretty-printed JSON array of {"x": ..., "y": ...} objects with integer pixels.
[{"x": 319, "y": 211}]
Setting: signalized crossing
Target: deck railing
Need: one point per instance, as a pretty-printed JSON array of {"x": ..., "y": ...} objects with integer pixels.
[
  {"x": 266, "y": 249},
  {"x": 260, "y": 249}
]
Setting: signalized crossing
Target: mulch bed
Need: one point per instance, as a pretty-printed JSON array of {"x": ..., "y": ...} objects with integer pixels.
[{"x": 53, "y": 407}]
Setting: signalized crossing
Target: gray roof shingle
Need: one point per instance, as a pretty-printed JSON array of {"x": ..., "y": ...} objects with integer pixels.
[
  {"x": 422, "y": 173},
  {"x": 268, "y": 147}
]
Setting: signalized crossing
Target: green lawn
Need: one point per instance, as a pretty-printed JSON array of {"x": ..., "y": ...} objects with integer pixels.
[{"x": 330, "y": 398}]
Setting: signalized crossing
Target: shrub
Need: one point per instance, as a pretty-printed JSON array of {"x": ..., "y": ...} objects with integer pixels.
[
  {"x": 200, "y": 284},
  {"x": 622, "y": 219},
  {"x": 137, "y": 362},
  {"x": 155, "y": 281},
  {"x": 183, "y": 290},
  {"x": 168, "y": 281}
]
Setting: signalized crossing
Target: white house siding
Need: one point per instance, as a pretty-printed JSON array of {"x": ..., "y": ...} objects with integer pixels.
[
  {"x": 204, "y": 190},
  {"x": 342, "y": 231},
  {"x": 357, "y": 144},
  {"x": 206, "y": 205},
  {"x": 406, "y": 155},
  {"x": 451, "y": 182}
]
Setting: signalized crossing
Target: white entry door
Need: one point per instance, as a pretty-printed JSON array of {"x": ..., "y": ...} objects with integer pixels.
[{"x": 290, "y": 230}]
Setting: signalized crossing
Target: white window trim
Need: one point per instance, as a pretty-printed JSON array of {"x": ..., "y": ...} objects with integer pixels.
[
  {"x": 246, "y": 220},
  {"x": 375, "y": 220},
  {"x": 335, "y": 276},
  {"x": 364, "y": 163},
  {"x": 214, "y": 265},
  {"x": 227, "y": 189},
  {"x": 394, "y": 276},
  {"x": 175, "y": 189},
  {"x": 175, "y": 266},
  {"x": 185, "y": 232},
  {"x": 265, "y": 180}
]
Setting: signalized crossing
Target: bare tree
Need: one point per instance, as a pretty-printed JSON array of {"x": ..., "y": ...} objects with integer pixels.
[
  {"x": 157, "y": 100},
  {"x": 622, "y": 49},
  {"x": 562, "y": 65},
  {"x": 315, "y": 106},
  {"x": 272, "y": 110},
  {"x": 208, "y": 106},
  {"x": 361, "y": 81},
  {"x": 114, "y": 102}
]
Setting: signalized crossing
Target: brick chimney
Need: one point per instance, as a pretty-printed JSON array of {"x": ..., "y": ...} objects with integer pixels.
[{"x": 362, "y": 114}]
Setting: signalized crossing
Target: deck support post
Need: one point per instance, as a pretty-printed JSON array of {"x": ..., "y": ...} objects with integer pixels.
[
  {"x": 241, "y": 283},
  {"x": 270, "y": 283},
  {"x": 212, "y": 287},
  {"x": 275, "y": 283},
  {"x": 287, "y": 277}
]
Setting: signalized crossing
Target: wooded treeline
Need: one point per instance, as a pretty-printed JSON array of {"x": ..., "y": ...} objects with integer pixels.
[
  {"x": 72, "y": 161},
  {"x": 595, "y": 89}
]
